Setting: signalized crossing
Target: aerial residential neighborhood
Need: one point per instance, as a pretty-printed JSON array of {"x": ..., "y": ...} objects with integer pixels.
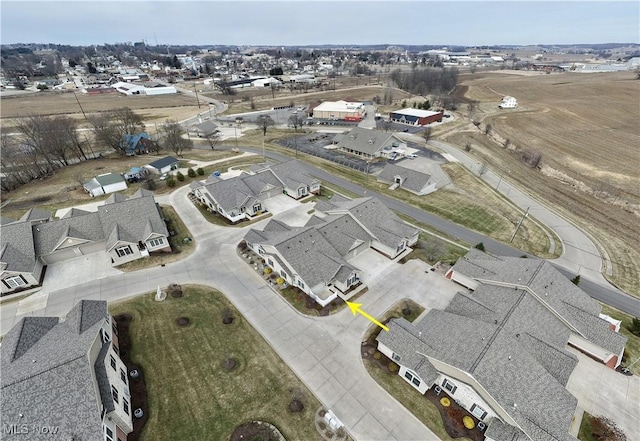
[{"x": 320, "y": 221}]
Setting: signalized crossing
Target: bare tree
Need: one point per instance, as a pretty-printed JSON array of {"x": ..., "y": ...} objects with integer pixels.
[
  {"x": 172, "y": 138},
  {"x": 213, "y": 139},
  {"x": 296, "y": 121},
  {"x": 264, "y": 122},
  {"x": 467, "y": 147},
  {"x": 532, "y": 158},
  {"x": 78, "y": 177},
  {"x": 427, "y": 134},
  {"x": 109, "y": 127},
  {"x": 386, "y": 125}
]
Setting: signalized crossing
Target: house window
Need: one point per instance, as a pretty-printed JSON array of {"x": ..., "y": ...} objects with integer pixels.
[
  {"x": 123, "y": 376},
  {"x": 352, "y": 280},
  {"x": 270, "y": 262},
  {"x": 104, "y": 335},
  {"x": 112, "y": 361},
  {"x": 14, "y": 282},
  {"x": 257, "y": 207},
  {"x": 395, "y": 357},
  {"x": 156, "y": 242},
  {"x": 449, "y": 386},
  {"x": 114, "y": 327},
  {"x": 115, "y": 349},
  {"x": 108, "y": 433},
  {"x": 301, "y": 284},
  {"x": 412, "y": 378},
  {"x": 124, "y": 251},
  {"x": 114, "y": 393},
  {"x": 478, "y": 412},
  {"x": 283, "y": 274},
  {"x": 125, "y": 405},
  {"x": 260, "y": 251}
]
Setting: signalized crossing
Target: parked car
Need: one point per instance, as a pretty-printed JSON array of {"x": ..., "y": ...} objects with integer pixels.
[
  {"x": 163, "y": 177},
  {"x": 411, "y": 156}
]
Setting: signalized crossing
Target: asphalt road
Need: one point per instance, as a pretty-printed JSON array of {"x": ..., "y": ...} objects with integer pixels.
[{"x": 606, "y": 294}]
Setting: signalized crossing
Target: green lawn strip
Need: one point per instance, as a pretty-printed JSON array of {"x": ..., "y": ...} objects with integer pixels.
[
  {"x": 632, "y": 350},
  {"x": 586, "y": 431},
  {"x": 191, "y": 395},
  {"x": 432, "y": 249}
]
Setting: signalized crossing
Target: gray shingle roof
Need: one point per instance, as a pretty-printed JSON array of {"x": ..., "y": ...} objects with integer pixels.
[
  {"x": 35, "y": 214},
  {"x": 49, "y": 235},
  {"x": 304, "y": 249},
  {"x": 380, "y": 222},
  {"x": 367, "y": 141},
  {"x": 412, "y": 180},
  {"x": 342, "y": 232},
  {"x": 293, "y": 174},
  {"x": 47, "y": 377},
  {"x": 17, "y": 247},
  {"x": 133, "y": 218},
  {"x": 75, "y": 212},
  {"x": 549, "y": 287},
  {"x": 241, "y": 190},
  {"x": 498, "y": 360}
]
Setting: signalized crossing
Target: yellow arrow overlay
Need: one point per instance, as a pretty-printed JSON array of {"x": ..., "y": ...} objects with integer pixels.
[{"x": 355, "y": 308}]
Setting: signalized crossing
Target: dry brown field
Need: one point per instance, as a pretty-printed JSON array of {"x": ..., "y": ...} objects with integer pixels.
[
  {"x": 586, "y": 126},
  {"x": 176, "y": 106}
]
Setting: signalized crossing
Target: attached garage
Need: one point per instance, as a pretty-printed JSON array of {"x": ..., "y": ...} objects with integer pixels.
[
  {"x": 91, "y": 248},
  {"x": 364, "y": 246},
  {"x": 59, "y": 256}
]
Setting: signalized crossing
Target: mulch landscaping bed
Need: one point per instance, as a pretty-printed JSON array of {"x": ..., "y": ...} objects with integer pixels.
[
  {"x": 137, "y": 386},
  {"x": 452, "y": 417},
  {"x": 254, "y": 431}
]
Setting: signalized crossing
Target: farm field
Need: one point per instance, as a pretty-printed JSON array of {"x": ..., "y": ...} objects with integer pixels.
[
  {"x": 585, "y": 126},
  {"x": 177, "y": 106}
]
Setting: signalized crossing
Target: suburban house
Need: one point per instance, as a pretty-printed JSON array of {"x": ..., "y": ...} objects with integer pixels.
[
  {"x": 588, "y": 330},
  {"x": 415, "y": 117},
  {"x": 105, "y": 184},
  {"x": 19, "y": 266},
  {"x": 244, "y": 196},
  {"x": 203, "y": 129},
  {"x": 369, "y": 143},
  {"x": 411, "y": 180},
  {"x": 126, "y": 228},
  {"x": 501, "y": 350},
  {"x": 508, "y": 102},
  {"x": 137, "y": 144},
  {"x": 64, "y": 379},
  {"x": 315, "y": 258},
  {"x": 136, "y": 173},
  {"x": 163, "y": 165}
]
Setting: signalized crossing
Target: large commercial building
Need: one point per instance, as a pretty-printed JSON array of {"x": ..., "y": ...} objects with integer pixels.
[
  {"x": 339, "y": 110},
  {"x": 415, "y": 117}
]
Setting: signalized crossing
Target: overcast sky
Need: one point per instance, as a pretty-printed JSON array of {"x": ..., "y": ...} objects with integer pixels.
[{"x": 305, "y": 22}]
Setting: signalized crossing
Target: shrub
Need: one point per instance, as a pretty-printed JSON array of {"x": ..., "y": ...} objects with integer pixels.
[
  {"x": 393, "y": 368},
  {"x": 445, "y": 401},
  {"x": 280, "y": 281},
  {"x": 200, "y": 171},
  {"x": 191, "y": 172},
  {"x": 171, "y": 182},
  {"x": 267, "y": 270},
  {"x": 634, "y": 328},
  {"x": 180, "y": 176},
  {"x": 480, "y": 246},
  {"x": 468, "y": 422},
  {"x": 377, "y": 355},
  {"x": 149, "y": 184}
]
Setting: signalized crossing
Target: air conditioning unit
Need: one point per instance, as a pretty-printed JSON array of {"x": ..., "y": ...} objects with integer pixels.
[
  {"x": 481, "y": 426},
  {"x": 437, "y": 390}
]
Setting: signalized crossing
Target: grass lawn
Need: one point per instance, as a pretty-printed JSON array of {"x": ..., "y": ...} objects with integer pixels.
[
  {"x": 632, "y": 350},
  {"x": 432, "y": 249},
  {"x": 191, "y": 395}
]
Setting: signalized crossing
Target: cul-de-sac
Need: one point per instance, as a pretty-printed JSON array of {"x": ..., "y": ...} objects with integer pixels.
[{"x": 319, "y": 227}]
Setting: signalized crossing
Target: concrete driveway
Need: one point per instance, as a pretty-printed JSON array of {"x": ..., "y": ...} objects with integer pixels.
[
  {"x": 78, "y": 270},
  {"x": 603, "y": 391}
]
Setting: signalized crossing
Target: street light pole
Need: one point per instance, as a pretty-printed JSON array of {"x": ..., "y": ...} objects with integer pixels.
[{"x": 526, "y": 213}]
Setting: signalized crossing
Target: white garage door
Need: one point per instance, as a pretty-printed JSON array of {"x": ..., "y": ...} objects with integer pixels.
[
  {"x": 91, "y": 248},
  {"x": 59, "y": 256}
]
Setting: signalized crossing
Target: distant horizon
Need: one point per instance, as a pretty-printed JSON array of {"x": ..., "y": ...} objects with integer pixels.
[{"x": 318, "y": 23}]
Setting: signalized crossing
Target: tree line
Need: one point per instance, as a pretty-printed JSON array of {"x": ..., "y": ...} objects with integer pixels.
[
  {"x": 42, "y": 144},
  {"x": 427, "y": 81}
]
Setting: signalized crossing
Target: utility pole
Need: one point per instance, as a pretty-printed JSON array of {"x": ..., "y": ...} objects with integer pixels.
[
  {"x": 80, "y": 105},
  {"x": 526, "y": 213},
  {"x": 196, "y": 91}
]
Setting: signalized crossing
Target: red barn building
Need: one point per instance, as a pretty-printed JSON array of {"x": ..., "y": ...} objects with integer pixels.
[{"x": 415, "y": 117}]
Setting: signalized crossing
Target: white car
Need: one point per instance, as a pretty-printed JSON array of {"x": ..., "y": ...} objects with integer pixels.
[
  {"x": 163, "y": 177},
  {"x": 411, "y": 156}
]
